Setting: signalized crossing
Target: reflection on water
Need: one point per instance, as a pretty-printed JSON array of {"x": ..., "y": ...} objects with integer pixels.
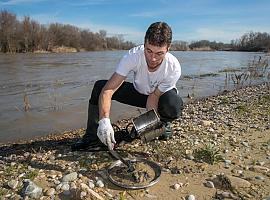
[{"x": 58, "y": 87}]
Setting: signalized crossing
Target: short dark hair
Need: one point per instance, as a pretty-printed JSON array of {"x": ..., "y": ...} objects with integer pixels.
[{"x": 159, "y": 34}]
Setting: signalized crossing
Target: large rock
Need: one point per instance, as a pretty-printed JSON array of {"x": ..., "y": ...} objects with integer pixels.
[
  {"x": 238, "y": 182},
  {"x": 228, "y": 182},
  {"x": 31, "y": 190},
  {"x": 70, "y": 177}
]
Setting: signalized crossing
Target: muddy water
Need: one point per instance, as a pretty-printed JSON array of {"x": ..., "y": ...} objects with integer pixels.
[{"x": 56, "y": 87}]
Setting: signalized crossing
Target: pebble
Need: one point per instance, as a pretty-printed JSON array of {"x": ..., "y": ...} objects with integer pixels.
[
  {"x": 73, "y": 185},
  {"x": 83, "y": 194},
  {"x": 260, "y": 163},
  {"x": 190, "y": 197},
  {"x": 99, "y": 183},
  {"x": 206, "y": 122},
  {"x": 227, "y": 162},
  {"x": 150, "y": 196},
  {"x": 190, "y": 157},
  {"x": 56, "y": 182},
  {"x": 91, "y": 184},
  {"x": 261, "y": 178},
  {"x": 50, "y": 192},
  {"x": 13, "y": 184},
  {"x": 245, "y": 144},
  {"x": 176, "y": 186},
  {"x": 65, "y": 186},
  {"x": 209, "y": 184},
  {"x": 260, "y": 169}
]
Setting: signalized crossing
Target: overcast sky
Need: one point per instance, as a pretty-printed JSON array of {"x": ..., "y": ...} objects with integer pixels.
[{"x": 219, "y": 20}]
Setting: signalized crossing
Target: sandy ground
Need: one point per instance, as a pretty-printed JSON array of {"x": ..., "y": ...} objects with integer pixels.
[{"x": 220, "y": 150}]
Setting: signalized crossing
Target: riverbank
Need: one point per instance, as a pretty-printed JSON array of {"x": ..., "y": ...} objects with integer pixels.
[{"x": 220, "y": 149}]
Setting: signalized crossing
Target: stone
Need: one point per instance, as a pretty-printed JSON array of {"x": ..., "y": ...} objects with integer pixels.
[
  {"x": 99, "y": 183},
  {"x": 91, "y": 184},
  {"x": 83, "y": 194},
  {"x": 190, "y": 157},
  {"x": 238, "y": 182},
  {"x": 176, "y": 186},
  {"x": 50, "y": 192},
  {"x": 73, "y": 185},
  {"x": 206, "y": 122},
  {"x": 259, "y": 169},
  {"x": 13, "y": 184},
  {"x": 245, "y": 144},
  {"x": 108, "y": 194},
  {"x": 190, "y": 197},
  {"x": 31, "y": 189},
  {"x": 260, "y": 163},
  {"x": 151, "y": 196},
  {"x": 261, "y": 178},
  {"x": 59, "y": 186},
  {"x": 65, "y": 186},
  {"x": 228, "y": 162},
  {"x": 91, "y": 192},
  {"x": 209, "y": 184},
  {"x": 70, "y": 177}
]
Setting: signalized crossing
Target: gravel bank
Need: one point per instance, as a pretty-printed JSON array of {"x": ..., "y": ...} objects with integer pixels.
[{"x": 220, "y": 149}]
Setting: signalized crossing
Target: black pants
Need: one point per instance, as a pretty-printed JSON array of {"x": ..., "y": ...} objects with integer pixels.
[{"x": 170, "y": 104}]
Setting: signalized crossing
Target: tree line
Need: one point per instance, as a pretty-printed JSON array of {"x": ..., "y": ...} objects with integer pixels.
[
  {"x": 252, "y": 41},
  {"x": 29, "y": 35}
]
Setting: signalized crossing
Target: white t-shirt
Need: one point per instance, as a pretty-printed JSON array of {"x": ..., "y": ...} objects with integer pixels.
[{"x": 145, "y": 82}]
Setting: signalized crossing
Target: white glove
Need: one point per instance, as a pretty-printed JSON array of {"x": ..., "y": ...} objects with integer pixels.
[{"x": 105, "y": 133}]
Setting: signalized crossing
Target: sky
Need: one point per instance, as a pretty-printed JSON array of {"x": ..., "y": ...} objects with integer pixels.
[{"x": 190, "y": 20}]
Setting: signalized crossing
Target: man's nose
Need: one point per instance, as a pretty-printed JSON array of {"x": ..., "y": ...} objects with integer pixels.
[{"x": 153, "y": 57}]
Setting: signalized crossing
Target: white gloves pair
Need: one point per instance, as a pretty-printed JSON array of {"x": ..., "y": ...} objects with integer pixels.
[{"x": 105, "y": 133}]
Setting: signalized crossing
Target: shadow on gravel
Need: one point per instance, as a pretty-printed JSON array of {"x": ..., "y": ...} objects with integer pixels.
[{"x": 37, "y": 146}]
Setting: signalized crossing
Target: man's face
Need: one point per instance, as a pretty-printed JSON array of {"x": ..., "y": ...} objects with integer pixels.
[{"x": 154, "y": 55}]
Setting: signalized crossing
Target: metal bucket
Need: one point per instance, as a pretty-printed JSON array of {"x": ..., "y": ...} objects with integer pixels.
[
  {"x": 146, "y": 121},
  {"x": 147, "y": 126}
]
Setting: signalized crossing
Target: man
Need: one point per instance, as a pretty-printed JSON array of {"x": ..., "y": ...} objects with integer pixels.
[{"x": 156, "y": 72}]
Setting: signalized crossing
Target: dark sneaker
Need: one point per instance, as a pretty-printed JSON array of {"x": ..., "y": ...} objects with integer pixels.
[
  {"x": 168, "y": 133},
  {"x": 84, "y": 144},
  {"x": 122, "y": 135}
]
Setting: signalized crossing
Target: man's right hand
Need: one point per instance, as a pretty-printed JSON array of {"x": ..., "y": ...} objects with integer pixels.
[{"x": 105, "y": 133}]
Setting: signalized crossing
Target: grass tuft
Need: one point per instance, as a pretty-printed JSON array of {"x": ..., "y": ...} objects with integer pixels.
[{"x": 209, "y": 154}]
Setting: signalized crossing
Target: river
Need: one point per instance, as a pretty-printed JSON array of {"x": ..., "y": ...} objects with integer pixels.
[{"x": 57, "y": 87}]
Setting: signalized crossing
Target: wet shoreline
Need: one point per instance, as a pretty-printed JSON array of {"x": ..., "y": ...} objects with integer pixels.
[{"x": 127, "y": 116}]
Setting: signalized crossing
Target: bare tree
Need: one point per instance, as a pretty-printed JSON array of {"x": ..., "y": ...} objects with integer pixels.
[
  {"x": 8, "y": 28},
  {"x": 29, "y": 36}
]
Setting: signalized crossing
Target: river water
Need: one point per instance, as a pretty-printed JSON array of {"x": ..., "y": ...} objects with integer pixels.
[{"x": 57, "y": 87}]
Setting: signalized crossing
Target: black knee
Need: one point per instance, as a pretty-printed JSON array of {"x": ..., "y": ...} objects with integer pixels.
[
  {"x": 98, "y": 86},
  {"x": 170, "y": 106}
]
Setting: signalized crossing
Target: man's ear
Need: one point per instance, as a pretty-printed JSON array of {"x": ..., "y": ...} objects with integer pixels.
[{"x": 169, "y": 46}]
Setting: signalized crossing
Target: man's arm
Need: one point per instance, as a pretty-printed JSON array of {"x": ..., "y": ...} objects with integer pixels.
[
  {"x": 152, "y": 100},
  {"x": 105, "y": 97}
]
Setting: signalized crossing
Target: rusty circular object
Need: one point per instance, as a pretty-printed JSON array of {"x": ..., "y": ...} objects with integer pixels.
[{"x": 154, "y": 166}]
